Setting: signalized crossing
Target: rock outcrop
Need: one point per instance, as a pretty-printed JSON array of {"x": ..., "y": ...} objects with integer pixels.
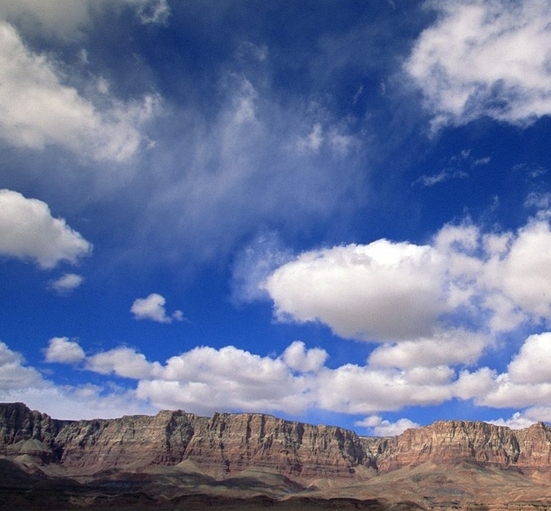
[
  {"x": 223, "y": 443},
  {"x": 453, "y": 442},
  {"x": 232, "y": 443}
]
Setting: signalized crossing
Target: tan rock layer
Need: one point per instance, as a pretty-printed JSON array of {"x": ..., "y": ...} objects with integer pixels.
[{"x": 236, "y": 442}]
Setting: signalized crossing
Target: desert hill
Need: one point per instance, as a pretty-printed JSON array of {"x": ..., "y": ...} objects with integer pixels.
[{"x": 179, "y": 460}]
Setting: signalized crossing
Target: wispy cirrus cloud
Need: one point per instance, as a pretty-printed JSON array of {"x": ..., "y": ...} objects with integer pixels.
[
  {"x": 66, "y": 283},
  {"x": 68, "y": 20},
  {"x": 458, "y": 166}
]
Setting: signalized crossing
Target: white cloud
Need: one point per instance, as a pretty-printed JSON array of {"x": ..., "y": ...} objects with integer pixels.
[
  {"x": 248, "y": 50},
  {"x": 407, "y": 293},
  {"x": 14, "y": 374},
  {"x": 378, "y": 426},
  {"x": 38, "y": 109},
  {"x": 525, "y": 385},
  {"x": 28, "y": 231},
  {"x": 313, "y": 140},
  {"x": 540, "y": 201},
  {"x": 524, "y": 273},
  {"x": 297, "y": 357},
  {"x": 362, "y": 389},
  {"x": 442, "y": 176},
  {"x": 517, "y": 421},
  {"x": 63, "y": 351},
  {"x": 380, "y": 291},
  {"x": 66, "y": 283},
  {"x": 85, "y": 401},
  {"x": 507, "y": 393},
  {"x": 123, "y": 362},
  {"x": 448, "y": 347},
  {"x": 205, "y": 379},
  {"x": 19, "y": 382},
  {"x": 246, "y": 160},
  {"x": 468, "y": 286},
  {"x": 485, "y": 59},
  {"x": 531, "y": 364},
  {"x": 153, "y": 308}
]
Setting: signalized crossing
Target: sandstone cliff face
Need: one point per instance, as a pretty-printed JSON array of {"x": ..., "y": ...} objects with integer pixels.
[
  {"x": 223, "y": 443},
  {"x": 229, "y": 443},
  {"x": 457, "y": 441}
]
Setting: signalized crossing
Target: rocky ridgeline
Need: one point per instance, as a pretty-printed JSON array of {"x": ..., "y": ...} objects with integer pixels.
[
  {"x": 475, "y": 442},
  {"x": 222, "y": 443},
  {"x": 229, "y": 443}
]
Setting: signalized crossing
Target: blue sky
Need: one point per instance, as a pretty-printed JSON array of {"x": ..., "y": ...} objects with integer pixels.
[{"x": 333, "y": 212}]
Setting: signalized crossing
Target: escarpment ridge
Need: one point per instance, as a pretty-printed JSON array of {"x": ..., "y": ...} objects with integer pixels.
[
  {"x": 235, "y": 442},
  {"x": 243, "y": 455}
]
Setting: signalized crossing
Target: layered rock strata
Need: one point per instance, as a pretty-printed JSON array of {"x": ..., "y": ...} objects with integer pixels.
[
  {"x": 475, "y": 442},
  {"x": 230, "y": 443},
  {"x": 224, "y": 442}
]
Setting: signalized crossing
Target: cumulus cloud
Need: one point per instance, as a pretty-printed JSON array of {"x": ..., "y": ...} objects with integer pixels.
[
  {"x": 297, "y": 357},
  {"x": 517, "y": 421},
  {"x": 66, "y": 283},
  {"x": 13, "y": 372},
  {"x": 523, "y": 274},
  {"x": 506, "y": 393},
  {"x": 448, "y": 347},
  {"x": 28, "y": 231},
  {"x": 378, "y": 426},
  {"x": 38, "y": 109},
  {"x": 358, "y": 389},
  {"x": 525, "y": 385},
  {"x": 20, "y": 382},
  {"x": 379, "y": 291},
  {"x": 531, "y": 364},
  {"x": 527, "y": 382},
  {"x": 153, "y": 308},
  {"x": 63, "y": 351},
  {"x": 205, "y": 379},
  {"x": 485, "y": 59},
  {"x": 469, "y": 287},
  {"x": 466, "y": 286},
  {"x": 123, "y": 362}
]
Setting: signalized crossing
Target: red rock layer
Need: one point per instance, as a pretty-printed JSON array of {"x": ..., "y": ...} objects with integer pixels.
[{"x": 235, "y": 442}]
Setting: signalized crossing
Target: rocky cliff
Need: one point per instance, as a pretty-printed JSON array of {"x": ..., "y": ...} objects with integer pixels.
[
  {"x": 232, "y": 443},
  {"x": 223, "y": 443},
  {"x": 453, "y": 442}
]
